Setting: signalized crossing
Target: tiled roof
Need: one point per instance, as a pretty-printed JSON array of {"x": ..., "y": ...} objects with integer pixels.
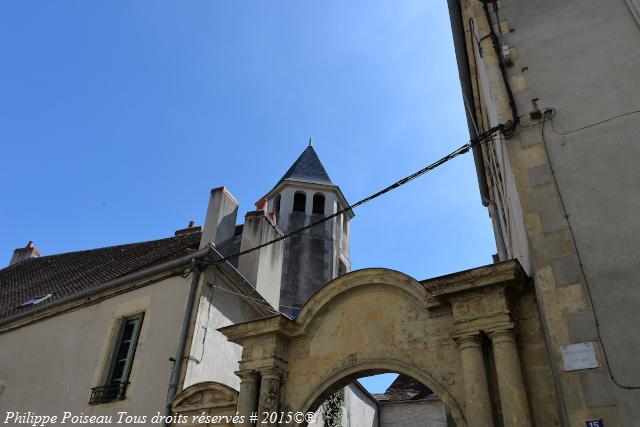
[
  {"x": 66, "y": 274},
  {"x": 404, "y": 388},
  {"x": 307, "y": 168}
]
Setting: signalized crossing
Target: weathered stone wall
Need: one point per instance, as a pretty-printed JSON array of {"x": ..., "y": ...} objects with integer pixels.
[
  {"x": 568, "y": 198},
  {"x": 375, "y": 320},
  {"x": 307, "y": 259},
  {"x": 311, "y": 258},
  {"x": 377, "y": 330}
]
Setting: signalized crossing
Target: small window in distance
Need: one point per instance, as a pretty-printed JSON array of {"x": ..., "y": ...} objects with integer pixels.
[
  {"x": 276, "y": 205},
  {"x": 299, "y": 201},
  {"x": 318, "y": 203},
  {"x": 116, "y": 380}
]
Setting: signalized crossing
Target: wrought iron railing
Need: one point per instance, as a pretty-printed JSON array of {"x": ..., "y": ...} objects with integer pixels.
[{"x": 108, "y": 393}]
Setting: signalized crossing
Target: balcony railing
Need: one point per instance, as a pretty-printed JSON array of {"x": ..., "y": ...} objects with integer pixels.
[{"x": 108, "y": 393}]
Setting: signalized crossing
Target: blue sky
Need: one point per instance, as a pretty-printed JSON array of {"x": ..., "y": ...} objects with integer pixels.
[{"x": 118, "y": 117}]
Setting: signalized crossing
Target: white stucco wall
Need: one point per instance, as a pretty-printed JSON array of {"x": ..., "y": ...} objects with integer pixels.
[
  {"x": 50, "y": 366},
  {"x": 360, "y": 409},
  {"x": 212, "y": 357}
]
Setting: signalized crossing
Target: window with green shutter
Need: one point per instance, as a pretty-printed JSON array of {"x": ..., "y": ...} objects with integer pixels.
[{"x": 116, "y": 380}]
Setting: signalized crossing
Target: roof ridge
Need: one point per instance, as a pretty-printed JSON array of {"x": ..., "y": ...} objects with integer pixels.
[
  {"x": 123, "y": 245},
  {"x": 68, "y": 273}
]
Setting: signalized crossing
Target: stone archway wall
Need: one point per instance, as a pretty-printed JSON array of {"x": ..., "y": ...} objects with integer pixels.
[{"x": 378, "y": 320}]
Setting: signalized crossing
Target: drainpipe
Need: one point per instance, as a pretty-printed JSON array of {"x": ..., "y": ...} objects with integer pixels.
[
  {"x": 497, "y": 230},
  {"x": 462, "y": 58},
  {"x": 175, "y": 374}
]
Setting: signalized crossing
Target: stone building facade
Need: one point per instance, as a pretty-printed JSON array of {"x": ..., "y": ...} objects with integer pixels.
[{"x": 560, "y": 180}]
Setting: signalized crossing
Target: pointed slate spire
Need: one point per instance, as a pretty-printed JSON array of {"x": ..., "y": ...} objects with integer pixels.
[{"x": 307, "y": 168}]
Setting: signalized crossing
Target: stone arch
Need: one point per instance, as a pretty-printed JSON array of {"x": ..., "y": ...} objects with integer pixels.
[
  {"x": 346, "y": 375},
  {"x": 405, "y": 297},
  {"x": 353, "y": 281},
  {"x": 379, "y": 320},
  {"x": 209, "y": 397}
]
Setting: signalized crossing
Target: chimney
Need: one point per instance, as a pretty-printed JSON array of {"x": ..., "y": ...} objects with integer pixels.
[
  {"x": 191, "y": 228},
  {"x": 22, "y": 254},
  {"x": 220, "y": 223},
  {"x": 262, "y": 267},
  {"x": 261, "y": 205}
]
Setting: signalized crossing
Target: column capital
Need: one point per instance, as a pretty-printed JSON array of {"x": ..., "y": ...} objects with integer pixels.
[
  {"x": 271, "y": 372},
  {"x": 502, "y": 335},
  {"x": 469, "y": 340},
  {"x": 247, "y": 375}
]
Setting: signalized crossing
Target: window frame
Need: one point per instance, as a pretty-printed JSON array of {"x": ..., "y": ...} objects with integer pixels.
[{"x": 110, "y": 390}]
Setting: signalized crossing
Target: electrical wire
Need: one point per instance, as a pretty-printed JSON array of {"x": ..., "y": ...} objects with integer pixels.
[
  {"x": 256, "y": 300},
  {"x": 455, "y": 153},
  {"x": 592, "y": 124},
  {"x": 549, "y": 113},
  {"x": 510, "y": 129}
]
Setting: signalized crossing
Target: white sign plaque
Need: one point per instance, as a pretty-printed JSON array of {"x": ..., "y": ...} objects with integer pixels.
[{"x": 579, "y": 356}]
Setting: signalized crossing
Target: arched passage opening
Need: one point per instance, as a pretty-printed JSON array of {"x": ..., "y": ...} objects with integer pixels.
[{"x": 351, "y": 401}]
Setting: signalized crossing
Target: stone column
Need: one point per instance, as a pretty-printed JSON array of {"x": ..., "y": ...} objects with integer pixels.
[
  {"x": 476, "y": 388},
  {"x": 513, "y": 397},
  {"x": 248, "y": 396},
  {"x": 269, "y": 394}
]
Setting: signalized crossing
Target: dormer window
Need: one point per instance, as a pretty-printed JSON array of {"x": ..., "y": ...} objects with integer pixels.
[
  {"x": 299, "y": 201},
  {"x": 318, "y": 203},
  {"x": 36, "y": 300}
]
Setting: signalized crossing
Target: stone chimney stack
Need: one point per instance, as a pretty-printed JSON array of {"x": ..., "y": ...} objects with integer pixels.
[
  {"x": 220, "y": 223},
  {"x": 262, "y": 267},
  {"x": 22, "y": 254},
  {"x": 191, "y": 228}
]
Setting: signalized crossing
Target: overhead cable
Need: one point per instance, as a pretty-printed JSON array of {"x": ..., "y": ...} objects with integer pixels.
[{"x": 455, "y": 153}]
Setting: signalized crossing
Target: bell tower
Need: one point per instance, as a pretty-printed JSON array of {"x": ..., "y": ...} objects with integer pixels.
[{"x": 306, "y": 194}]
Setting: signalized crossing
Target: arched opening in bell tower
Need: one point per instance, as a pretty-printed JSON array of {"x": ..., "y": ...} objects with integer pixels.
[
  {"x": 299, "y": 201},
  {"x": 318, "y": 203}
]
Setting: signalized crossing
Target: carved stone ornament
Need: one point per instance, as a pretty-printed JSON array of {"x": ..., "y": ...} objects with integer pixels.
[{"x": 269, "y": 395}]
